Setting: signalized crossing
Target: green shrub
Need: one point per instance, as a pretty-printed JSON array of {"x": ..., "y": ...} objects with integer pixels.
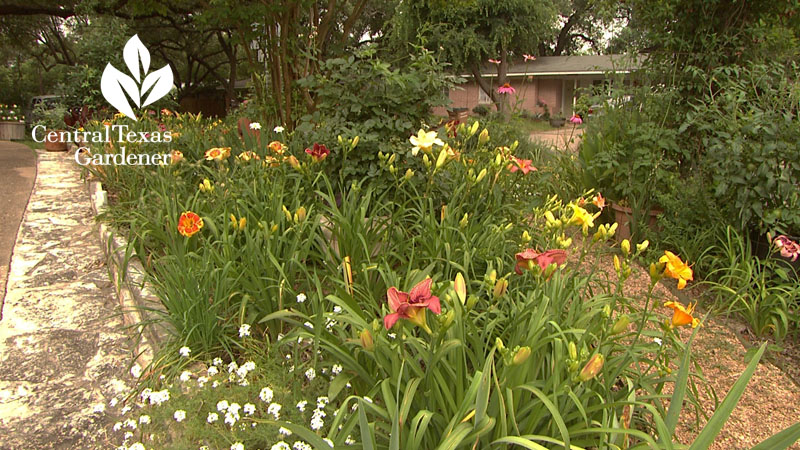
[{"x": 481, "y": 110}]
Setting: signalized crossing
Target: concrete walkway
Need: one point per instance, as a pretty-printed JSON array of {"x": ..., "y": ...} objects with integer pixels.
[
  {"x": 62, "y": 351},
  {"x": 17, "y": 172},
  {"x": 560, "y": 137}
]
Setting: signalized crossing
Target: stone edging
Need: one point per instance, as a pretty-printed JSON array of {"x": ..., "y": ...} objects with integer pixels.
[{"x": 135, "y": 298}]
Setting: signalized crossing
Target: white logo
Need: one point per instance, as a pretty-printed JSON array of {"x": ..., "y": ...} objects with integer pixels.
[{"x": 116, "y": 84}]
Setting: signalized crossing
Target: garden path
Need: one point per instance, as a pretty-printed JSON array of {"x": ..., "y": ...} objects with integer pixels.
[
  {"x": 559, "y": 137},
  {"x": 62, "y": 352},
  {"x": 771, "y": 401}
]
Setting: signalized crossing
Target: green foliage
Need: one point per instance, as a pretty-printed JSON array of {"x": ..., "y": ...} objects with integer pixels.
[
  {"x": 481, "y": 110},
  {"x": 764, "y": 292},
  {"x": 50, "y": 115},
  {"x": 362, "y": 95},
  {"x": 751, "y": 144}
]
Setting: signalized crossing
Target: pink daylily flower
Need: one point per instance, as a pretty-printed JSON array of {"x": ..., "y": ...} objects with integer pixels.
[
  {"x": 494, "y": 61},
  {"x": 526, "y": 259},
  {"x": 788, "y": 248},
  {"x": 529, "y": 57},
  {"x": 521, "y": 164},
  {"x": 411, "y": 306}
]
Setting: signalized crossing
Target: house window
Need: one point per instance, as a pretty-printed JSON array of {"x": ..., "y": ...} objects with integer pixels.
[{"x": 483, "y": 98}]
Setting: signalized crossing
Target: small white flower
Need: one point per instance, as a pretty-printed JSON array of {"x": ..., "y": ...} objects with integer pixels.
[
  {"x": 284, "y": 431},
  {"x": 137, "y": 446},
  {"x": 367, "y": 399},
  {"x": 278, "y": 129},
  {"x": 159, "y": 397},
  {"x": 136, "y": 371},
  {"x": 300, "y": 445},
  {"x": 301, "y": 297},
  {"x": 185, "y": 351},
  {"x": 244, "y": 330},
  {"x": 127, "y": 435},
  {"x": 201, "y": 381},
  {"x": 212, "y": 371},
  {"x": 392, "y": 335},
  {"x": 328, "y": 441},
  {"x": 125, "y": 410},
  {"x": 349, "y": 440},
  {"x": 230, "y": 418},
  {"x": 281, "y": 446},
  {"x": 212, "y": 417},
  {"x": 99, "y": 408},
  {"x": 249, "y": 409},
  {"x": 145, "y": 419},
  {"x": 233, "y": 367},
  {"x": 336, "y": 369},
  {"x": 130, "y": 423},
  {"x": 310, "y": 373},
  {"x": 185, "y": 376},
  {"x": 253, "y": 126},
  {"x": 301, "y": 405},
  {"x": 275, "y": 410},
  {"x": 239, "y": 445},
  {"x": 265, "y": 395},
  {"x": 322, "y": 402},
  {"x": 337, "y": 309},
  {"x": 179, "y": 415},
  {"x": 217, "y": 361},
  {"x": 249, "y": 366},
  {"x": 657, "y": 340},
  {"x": 234, "y": 408},
  {"x": 309, "y": 325},
  {"x": 113, "y": 402},
  {"x": 288, "y": 356},
  {"x": 117, "y": 426},
  {"x": 222, "y": 405},
  {"x": 214, "y": 384}
]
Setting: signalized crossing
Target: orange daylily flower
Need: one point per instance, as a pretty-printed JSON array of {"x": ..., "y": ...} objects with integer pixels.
[
  {"x": 599, "y": 201},
  {"x": 277, "y": 147},
  {"x": 218, "y": 153},
  {"x": 189, "y": 224},
  {"x": 682, "y": 315},
  {"x": 675, "y": 268},
  {"x": 521, "y": 164}
]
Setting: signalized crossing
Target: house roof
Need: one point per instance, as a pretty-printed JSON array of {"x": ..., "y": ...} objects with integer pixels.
[{"x": 570, "y": 65}]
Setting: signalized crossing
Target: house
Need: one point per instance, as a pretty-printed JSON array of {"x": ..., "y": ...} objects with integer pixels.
[{"x": 547, "y": 84}]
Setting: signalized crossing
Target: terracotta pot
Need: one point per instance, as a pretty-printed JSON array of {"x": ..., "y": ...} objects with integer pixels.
[
  {"x": 623, "y": 216},
  {"x": 54, "y": 144}
]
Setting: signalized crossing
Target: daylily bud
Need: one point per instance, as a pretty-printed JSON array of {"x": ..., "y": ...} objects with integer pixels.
[
  {"x": 461, "y": 127},
  {"x": 292, "y": 160},
  {"x": 548, "y": 272},
  {"x": 339, "y": 138},
  {"x": 274, "y": 228},
  {"x": 492, "y": 277},
  {"x": 643, "y": 246},
  {"x": 443, "y": 214},
  {"x": 354, "y": 143},
  {"x": 445, "y": 320},
  {"x": 521, "y": 355},
  {"x": 392, "y": 169},
  {"x": 616, "y": 263},
  {"x": 498, "y": 159},
  {"x": 607, "y": 311},
  {"x": 300, "y": 215},
  {"x": 625, "y": 246},
  {"x": 287, "y": 213},
  {"x": 460, "y": 286},
  {"x": 234, "y": 222},
  {"x": 474, "y": 128},
  {"x": 514, "y": 146},
  {"x": 499, "y": 344},
  {"x": 500, "y": 288},
  {"x": 464, "y": 221},
  {"x": 409, "y": 174},
  {"x": 366, "y": 340},
  {"x": 620, "y": 325},
  {"x": 392, "y": 158},
  {"x": 592, "y": 368},
  {"x": 526, "y": 237},
  {"x": 426, "y": 161},
  {"x": 481, "y": 175},
  {"x": 206, "y": 186},
  {"x": 442, "y": 158},
  {"x": 611, "y": 230},
  {"x": 573, "y": 351},
  {"x": 656, "y": 271},
  {"x": 484, "y": 137},
  {"x": 242, "y": 223},
  {"x": 471, "y": 301}
]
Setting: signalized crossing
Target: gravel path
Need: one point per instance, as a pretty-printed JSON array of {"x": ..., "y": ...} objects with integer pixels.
[{"x": 62, "y": 353}]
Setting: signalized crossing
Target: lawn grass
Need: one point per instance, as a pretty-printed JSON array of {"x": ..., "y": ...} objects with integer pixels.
[{"x": 32, "y": 144}]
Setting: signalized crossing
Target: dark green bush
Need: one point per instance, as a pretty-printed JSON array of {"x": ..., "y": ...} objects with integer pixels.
[{"x": 481, "y": 110}]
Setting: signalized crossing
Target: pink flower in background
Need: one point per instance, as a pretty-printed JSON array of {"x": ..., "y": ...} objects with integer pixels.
[
  {"x": 527, "y": 259},
  {"x": 411, "y": 306},
  {"x": 529, "y": 57},
  {"x": 788, "y": 248},
  {"x": 494, "y": 61},
  {"x": 506, "y": 89},
  {"x": 576, "y": 119}
]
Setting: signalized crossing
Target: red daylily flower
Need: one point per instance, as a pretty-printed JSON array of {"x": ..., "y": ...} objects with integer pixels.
[
  {"x": 526, "y": 259},
  {"x": 319, "y": 152},
  {"x": 521, "y": 164},
  {"x": 411, "y": 306}
]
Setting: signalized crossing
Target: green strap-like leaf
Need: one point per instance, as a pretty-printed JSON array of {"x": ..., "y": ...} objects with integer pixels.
[
  {"x": 715, "y": 423},
  {"x": 781, "y": 440}
]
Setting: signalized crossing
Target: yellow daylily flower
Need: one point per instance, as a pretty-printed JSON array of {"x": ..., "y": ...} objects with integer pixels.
[
  {"x": 675, "y": 268},
  {"x": 424, "y": 141}
]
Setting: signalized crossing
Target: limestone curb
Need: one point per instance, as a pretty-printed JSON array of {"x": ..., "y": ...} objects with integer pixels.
[{"x": 139, "y": 305}]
